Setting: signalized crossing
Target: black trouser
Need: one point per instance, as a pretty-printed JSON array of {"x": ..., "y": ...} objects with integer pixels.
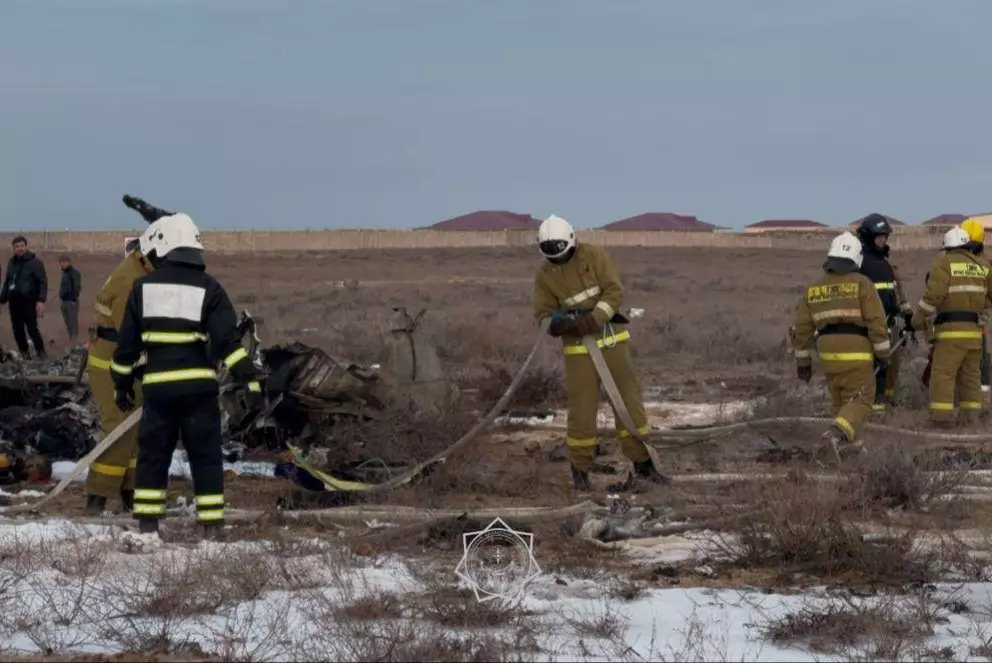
[
  {"x": 24, "y": 320},
  {"x": 197, "y": 419}
]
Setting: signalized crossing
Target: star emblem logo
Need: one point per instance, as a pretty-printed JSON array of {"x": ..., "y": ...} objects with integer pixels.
[{"x": 497, "y": 562}]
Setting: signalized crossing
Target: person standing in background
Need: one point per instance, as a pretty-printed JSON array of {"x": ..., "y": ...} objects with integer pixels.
[
  {"x": 69, "y": 289},
  {"x": 24, "y": 290}
]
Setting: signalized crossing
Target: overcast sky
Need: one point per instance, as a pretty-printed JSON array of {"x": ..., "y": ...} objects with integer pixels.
[{"x": 400, "y": 113}]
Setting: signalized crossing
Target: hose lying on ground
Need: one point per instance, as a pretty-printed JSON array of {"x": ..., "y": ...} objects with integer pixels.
[
  {"x": 706, "y": 433},
  {"x": 475, "y": 430}
]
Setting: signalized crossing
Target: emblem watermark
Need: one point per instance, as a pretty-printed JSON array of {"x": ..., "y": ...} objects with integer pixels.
[{"x": 497, "y": 562}]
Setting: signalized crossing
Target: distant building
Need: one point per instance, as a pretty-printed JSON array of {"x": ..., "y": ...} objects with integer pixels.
[
  {"x": 661, "y": 221},
  {"x": 786, "y": 225},
  {"x": 944, "y": 222},
  {"x": 489, "y": 220}
]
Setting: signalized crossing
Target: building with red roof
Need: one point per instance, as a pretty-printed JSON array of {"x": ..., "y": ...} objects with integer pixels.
[
  {"x": 945, "y": 221},
  {"x": 488, "y": 220},
  {"x": 661, "y": 221}
]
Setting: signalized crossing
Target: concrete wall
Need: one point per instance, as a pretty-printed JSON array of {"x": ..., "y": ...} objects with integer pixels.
[{"x": 266, "y": 241}]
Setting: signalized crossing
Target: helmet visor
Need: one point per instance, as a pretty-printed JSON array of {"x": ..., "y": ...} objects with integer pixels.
[{"x": 553, "y": 248}]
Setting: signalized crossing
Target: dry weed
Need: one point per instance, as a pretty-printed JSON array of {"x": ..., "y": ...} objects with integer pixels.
[
  {"x": 878, "y": 628},
  {"x": 813, "y": 530},
  {"x": 889, "y": 475}
]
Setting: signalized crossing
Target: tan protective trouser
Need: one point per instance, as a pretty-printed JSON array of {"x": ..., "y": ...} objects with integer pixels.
[
  {"x": 582, "y": 387},
  {"x": 957, "y": 366},
  {"x": 852, "y": 393},
  {"x": 113, "y": 470}
]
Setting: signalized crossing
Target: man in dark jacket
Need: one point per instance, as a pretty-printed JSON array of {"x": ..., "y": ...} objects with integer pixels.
[
  {"x": 874, "y": 233},
  {"x": 24, "y": 290},
  {"x": 69, "y": 289}
]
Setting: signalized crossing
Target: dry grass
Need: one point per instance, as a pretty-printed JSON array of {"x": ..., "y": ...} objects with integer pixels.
[
  {"x": 883, "y": 627},
  {"x": 701, "y": 325},
  {"x": 816, "y": 531}
]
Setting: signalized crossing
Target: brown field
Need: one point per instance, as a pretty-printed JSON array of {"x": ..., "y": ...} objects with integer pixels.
[
  {"x": 712, "y": 332},
  {"x": 712, "y": 316}
]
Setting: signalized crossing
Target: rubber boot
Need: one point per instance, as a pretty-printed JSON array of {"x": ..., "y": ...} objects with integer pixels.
[
  {"x": 834, "y": 447},
  {"x": 643, "y": 471},
  {"x": 580, "y": 480},
  {"x": 95, "y": 505},
  {"x": 646, "y": 470},
  {"x": 148, "y": 525},
  {"x": 127, "y": 500}
]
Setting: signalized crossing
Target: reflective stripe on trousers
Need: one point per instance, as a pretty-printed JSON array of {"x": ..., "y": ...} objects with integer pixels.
[{"x": 600, "y": 343}]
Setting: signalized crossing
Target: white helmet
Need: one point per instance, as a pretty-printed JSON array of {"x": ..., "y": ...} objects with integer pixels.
[
  {"x": 174, "y": 232},
  {"x": 954, "y": 238},
  {"x": 145, "y": 241},
  {"x": 555, "y": 237},
  {"x": 846, "y": 245}
]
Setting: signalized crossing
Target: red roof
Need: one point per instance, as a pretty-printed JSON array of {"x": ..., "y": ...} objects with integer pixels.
[
  {"x": 660, "y": 221},
  {"x": 489, "y": 220},
  {"x": 945, "y": 220},
  {"x": 787, "y": 223},
  {"x": 892, "y": 221}
]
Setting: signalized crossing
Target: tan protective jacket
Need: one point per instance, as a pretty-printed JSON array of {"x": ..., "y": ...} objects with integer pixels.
[
  {"x": 110, "y": 303},
  {"x": 850, "y": 301},
  {"x": 588, "y": 282},
  {"x": 959, "y": 282}
]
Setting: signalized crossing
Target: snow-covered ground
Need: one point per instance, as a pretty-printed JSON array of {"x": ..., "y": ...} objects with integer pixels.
[
  {"x": 94, "y": 589},
  {"x": 661, "y": 414},
  {"x": 180, "y": 468}
]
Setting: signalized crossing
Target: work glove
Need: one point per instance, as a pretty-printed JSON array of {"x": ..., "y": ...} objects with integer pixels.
[
  {"x": 244, "y": 371},
  {"x": 586, "y": 324},
  {"x": 124, "y": 397},
  {"x": 804, "y": 373},
  {"x": 561, "y": 324},
  {"x": 254, "y": 398},
  {"x": 908, "y": 328},
  {"x": 881, "y": 364}
]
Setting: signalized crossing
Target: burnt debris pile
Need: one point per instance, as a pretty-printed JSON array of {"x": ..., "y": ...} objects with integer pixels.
[{"x": 44, "y": 415}]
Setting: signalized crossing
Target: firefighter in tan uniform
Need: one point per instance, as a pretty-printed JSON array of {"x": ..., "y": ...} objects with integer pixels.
[
  {"x": 957, "y": 291},
  {"x": 113, "y": 472},
  {"x": 843, "y": 315},
  {"x": 976, "y": 244},
  {"x": 579, "y": 289}
]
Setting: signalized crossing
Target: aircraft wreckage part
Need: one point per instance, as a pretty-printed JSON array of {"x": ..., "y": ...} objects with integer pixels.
[
  {"x": 483, "y": 423},
  {"x": 83, "y": 463},
  {"x": 411, "y": 370}
]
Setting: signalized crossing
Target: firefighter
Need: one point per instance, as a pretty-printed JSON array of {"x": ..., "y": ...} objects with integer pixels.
[
  {"x": 112, "y": 473},
  {"x": 957, "y": 291},
  {"x": 976, "y": 244},
  {"x": 578, "y": 287},
  {"x": 182, "y": 319},
  {"x": 843, "y": 315},
  {"x": 874, "y": 232}
]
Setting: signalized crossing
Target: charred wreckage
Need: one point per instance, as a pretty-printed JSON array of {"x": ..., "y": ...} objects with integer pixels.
[{"x": 46, "y": 413}]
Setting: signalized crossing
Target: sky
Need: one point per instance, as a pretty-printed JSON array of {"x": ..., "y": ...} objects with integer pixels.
[{"x": 400, "y": 113}]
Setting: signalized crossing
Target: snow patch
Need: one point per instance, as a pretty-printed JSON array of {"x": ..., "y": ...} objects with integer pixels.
[
  {"x": 180, "y": 468},
  {"x": 661, "y": 415}
]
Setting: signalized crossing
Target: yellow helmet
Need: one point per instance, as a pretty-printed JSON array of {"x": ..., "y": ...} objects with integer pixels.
[{"x": 975, "y": 230}]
